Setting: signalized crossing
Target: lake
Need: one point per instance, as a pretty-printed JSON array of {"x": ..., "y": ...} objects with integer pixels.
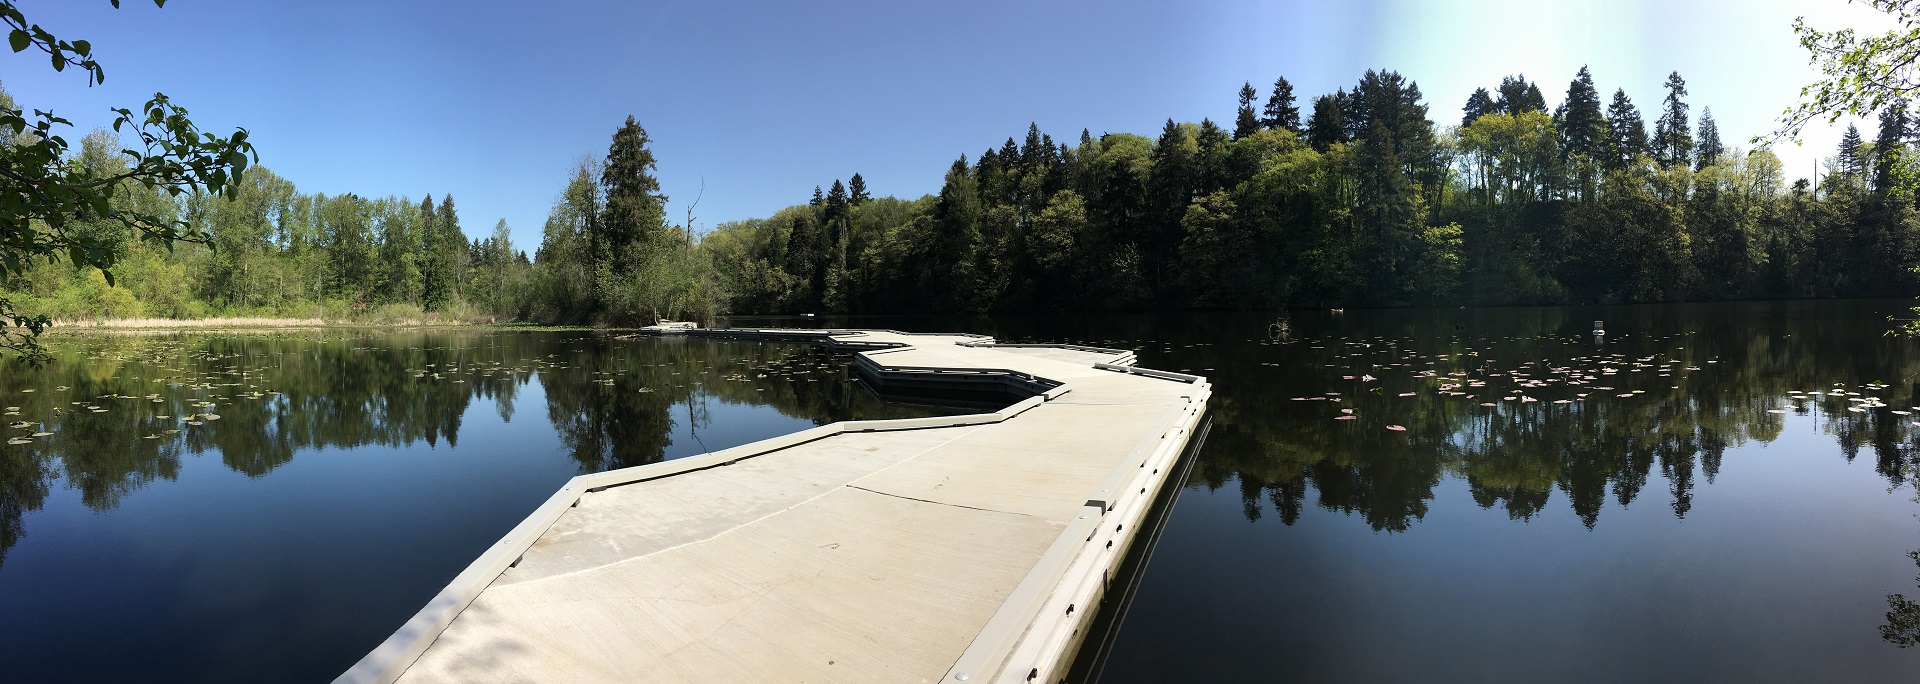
[{"x": 1717, "y": 492}]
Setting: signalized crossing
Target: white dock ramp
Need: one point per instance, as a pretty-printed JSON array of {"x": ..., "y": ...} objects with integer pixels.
[{"x": 956, "y": 548}]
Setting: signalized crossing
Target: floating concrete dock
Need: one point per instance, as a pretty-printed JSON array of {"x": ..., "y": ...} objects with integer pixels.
[{"x": 968, "y": 548}]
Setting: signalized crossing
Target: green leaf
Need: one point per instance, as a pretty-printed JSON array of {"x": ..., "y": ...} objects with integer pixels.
[
  {"x": 83, "y": 47},
  {"x": 59, "y": 61},
  {"x": 19, "y": 40}
]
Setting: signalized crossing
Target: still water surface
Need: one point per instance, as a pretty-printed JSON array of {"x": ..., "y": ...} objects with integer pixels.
[
  {"x": 1693, "y": 498},
  {"x": 1713, "y": 493},
  {"x": 268, "y": 507}
]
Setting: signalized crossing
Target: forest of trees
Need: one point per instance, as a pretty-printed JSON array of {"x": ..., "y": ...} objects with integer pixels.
[{"x": 1354, "y": 198}]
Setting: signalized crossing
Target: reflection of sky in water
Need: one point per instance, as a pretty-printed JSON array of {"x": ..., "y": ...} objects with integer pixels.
[
  {"x": 1777, "y": 573},
  {"x": 1305, "y": 548},
  {"x": 1455, "y": 551},
  {"x": 195, "y": 571},
  {"x": 1752, "y": 547}
]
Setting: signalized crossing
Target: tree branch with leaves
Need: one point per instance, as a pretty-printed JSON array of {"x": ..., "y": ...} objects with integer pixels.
[
  {"x": 1859, "y": 74},
  {"x": 44, "y": 195}
]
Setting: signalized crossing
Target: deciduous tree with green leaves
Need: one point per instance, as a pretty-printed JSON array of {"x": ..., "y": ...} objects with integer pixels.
[
  {"x": 45, "y": 199},
  {"x": 1859, "y": 74}
]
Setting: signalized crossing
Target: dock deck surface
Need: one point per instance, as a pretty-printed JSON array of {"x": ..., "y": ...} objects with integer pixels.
[{"x": 885, "y": 551}]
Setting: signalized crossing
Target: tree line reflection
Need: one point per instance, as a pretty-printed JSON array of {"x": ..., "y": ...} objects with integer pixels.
[
  {"x": 1595, "y": 450},
  {"x": 122, "y": 411}
]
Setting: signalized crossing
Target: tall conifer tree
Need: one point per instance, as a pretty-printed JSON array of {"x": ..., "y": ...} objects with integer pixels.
[
  {"x": 1582, "y": 127},
  {"x": 1849, "y": 158},
  {"x": 1629, "y": 139},
  {"x": 432, "y": 261},
  {"x": 1673, "y": 137},
  {"x": 1895, "y": 128},
  {"x": 635, "y": 209},
  {"x": 1479, "y": 104},
  {"x": 1518, "y": 96},
  {"x": 1329, "y": 123},
  {"x": 1245, "y": 120},
  {"x": 857, "y": 191},
  {"x": 1280, "y": 112},
  {"x": 452, "y": 249},
  {"x": 1709, "y": 149}
]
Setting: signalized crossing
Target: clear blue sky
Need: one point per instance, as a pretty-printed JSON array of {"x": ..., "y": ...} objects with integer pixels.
[{"x": 495, "y": 101}]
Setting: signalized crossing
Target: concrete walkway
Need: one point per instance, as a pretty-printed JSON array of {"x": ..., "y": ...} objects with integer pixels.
[{"x": 959, "y": 548}]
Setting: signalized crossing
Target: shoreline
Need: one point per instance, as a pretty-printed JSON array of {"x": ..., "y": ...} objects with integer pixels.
[{"x": 129, "y": 325}]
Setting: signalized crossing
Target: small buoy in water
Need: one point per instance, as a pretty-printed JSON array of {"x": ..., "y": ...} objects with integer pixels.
[{"x": 1599, "y": 328}]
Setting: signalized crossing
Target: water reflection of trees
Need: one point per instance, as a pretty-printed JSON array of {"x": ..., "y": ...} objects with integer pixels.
[
  {"x": 615, "y": 408},
  {"x": 1516, "y": 455},
  {"x": 277, "y": 395},
  {"x": 1602, "y": 451}
]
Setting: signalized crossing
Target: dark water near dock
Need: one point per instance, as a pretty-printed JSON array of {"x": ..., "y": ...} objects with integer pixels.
[
  {"x": 1709, "y": 525},
  {"x": 1717, "y": 492},
  {"x": 268, "y": 507}
]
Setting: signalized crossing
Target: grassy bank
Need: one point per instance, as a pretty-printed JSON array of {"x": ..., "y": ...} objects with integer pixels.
[{"x": 128, "y": 325}]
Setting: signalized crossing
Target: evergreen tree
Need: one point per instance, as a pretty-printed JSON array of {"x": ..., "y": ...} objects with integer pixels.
[
  {"x": 1387, "y": 97},
  {"x": 837, "y": 215},
  {"x": 1629, "y": 131},
  {"x": 425, "y": 256},
  {"x": 450, "y": 251},
  {"x": 1386, "y": 212},
  {"x": 1329, "y": 124},
  {"x": 1170, "y": 188},
  {"x": 1211, "y": 165},
  {"x": 1895, "y": 128},
  {"x": 432, "y": 262},
  {"x": 818, "y": 199},
  {"x": 1479, "y": 104},
  {"x": 1280, "y": 112},
  {"x": 1672, "y": 136},
  {"x": 1518, "y": 96},
  {"x": 857, "y": 189},
  {"x": 953, "y": 279},
  {"x": 837, "y": 202},
  {"x": 1849, "y": 159},
  {"x": 634, "y": 210},
  {"x": 1709, "y": 150},
  {"x": 1582, "y": 127},
  {"x": 1245, "y": 120}
]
